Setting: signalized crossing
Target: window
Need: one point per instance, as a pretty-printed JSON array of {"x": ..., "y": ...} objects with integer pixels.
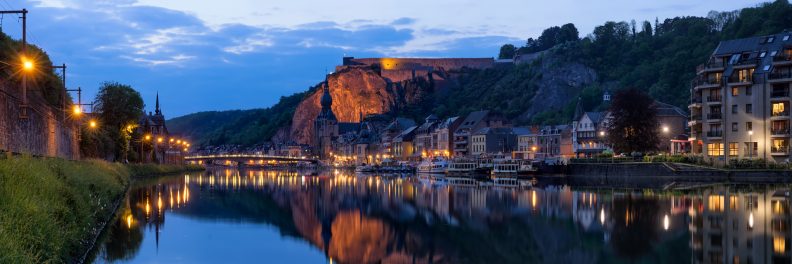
[
  {"x": 734, "y": 109},
  {"x": 735, "y": 91},
  {"x": 748, "y": 126},
  {"x": 733, "y": 148},
  {"x": 770, "y": 39},
  {"x": 734, "y": 127},
  {"x": 773, "y": 53},
  {"x": 715, "y": 203},
  {"x": 751, "y": 148},
  {"x": 748, "y": 90},
  {"x": 749, "y": 108},
  {"x": 778, "y": 109},
  {"x": 766, "y": 68},
  {"x": 715, "y": 149},
  {"x": 786, "y": 37},
  {"x": 763, "y": 54}
]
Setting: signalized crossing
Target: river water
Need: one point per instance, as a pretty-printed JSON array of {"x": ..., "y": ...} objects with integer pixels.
[{"x": 230, "y": 216}]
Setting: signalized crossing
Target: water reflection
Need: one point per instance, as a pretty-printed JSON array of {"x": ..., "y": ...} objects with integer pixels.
[{"x": 397, "y": 219}]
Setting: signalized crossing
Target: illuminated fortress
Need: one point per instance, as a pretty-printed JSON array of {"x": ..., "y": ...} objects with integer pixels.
[{"x": 400, "y": 69}]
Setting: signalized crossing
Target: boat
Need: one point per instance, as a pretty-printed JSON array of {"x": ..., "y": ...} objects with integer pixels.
[
  {"x": 461, "y": 167},
  {"x": 511, "y": 167},
  {"x": 433, "y": 165},
  {"x": 365, "y": 169}
]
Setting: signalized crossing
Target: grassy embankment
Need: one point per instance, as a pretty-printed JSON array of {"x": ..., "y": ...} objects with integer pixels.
[{"x": 51, "y": 209}]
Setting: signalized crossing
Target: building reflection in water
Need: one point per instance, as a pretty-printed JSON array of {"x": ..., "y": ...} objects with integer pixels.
[{"x": 367, "y": 219}]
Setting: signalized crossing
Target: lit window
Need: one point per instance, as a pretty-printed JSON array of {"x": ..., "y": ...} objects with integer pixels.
[
  {"x": 716, "y": 203},
  {"x": 715, "y": 149},
  {"x": 778, "y": 108},
  {"x": 773, "y": 53},
  {"x": 770, "y": 39},
  {"x": 735, "y": 91},
  {"x": 766, "y": 68},
  {"x": 733, "y": 148},
  {"x": 762, "y": 55},
  {"x": 786, "y": 37},
  {"x": 779, "y": 244}
]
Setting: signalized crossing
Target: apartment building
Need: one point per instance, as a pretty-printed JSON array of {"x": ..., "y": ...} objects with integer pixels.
[{"x": 740, "y": 100}]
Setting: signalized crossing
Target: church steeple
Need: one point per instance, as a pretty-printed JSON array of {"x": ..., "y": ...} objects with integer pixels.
[
  {"x": 157, "y": 108},
  {"x": 327, "y": 103}
]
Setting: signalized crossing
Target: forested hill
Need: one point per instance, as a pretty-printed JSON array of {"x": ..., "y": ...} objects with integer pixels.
[{"x": 658, "y": 56}]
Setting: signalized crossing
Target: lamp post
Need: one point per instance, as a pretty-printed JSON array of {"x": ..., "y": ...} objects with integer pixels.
[
  {"x": 751, "y": 144},
  {"x": 667, "y": 138}
]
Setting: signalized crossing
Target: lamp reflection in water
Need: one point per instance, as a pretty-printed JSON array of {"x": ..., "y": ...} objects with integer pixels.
[{"x": 666, "y": 222}]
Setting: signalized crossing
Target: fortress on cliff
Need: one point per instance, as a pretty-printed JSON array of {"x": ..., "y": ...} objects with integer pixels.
[{"x": 400, "y": 69}]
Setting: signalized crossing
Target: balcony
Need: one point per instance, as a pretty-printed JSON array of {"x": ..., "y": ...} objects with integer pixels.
[
  {"x": 777, "y": 77},
  {"x": 694, "y": 120},
  {"x": 783, "y": 58},
  {"x": 700, "y": 83},
  {"x": 714, "y": 134},
  {"x": 779, "y": 94},
  {"x": 746, "y": 63},
  {"x": 714, "y": 98},
  {"x": 782, "y": 114},
  {"x": 779, "y": 150},
  {"x": 779, "y": 131},
  {"x": 736, "y": 78},
  {"x": 714, "y": 116},
  {"x": 714, "y": 65}
]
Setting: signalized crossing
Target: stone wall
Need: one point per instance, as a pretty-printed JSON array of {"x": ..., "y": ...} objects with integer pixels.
[{"x": 44, "y": 133}]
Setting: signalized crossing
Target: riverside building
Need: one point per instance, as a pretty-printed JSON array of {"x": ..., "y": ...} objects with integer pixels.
[{"x": 740, "y": 100}]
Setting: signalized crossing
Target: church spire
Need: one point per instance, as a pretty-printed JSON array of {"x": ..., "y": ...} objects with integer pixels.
[{"x": 157, "y": 108}]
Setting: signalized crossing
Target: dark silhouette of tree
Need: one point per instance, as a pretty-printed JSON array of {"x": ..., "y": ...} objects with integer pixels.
[
  {"x": 117, "y": 106},
  {"x": 633, "y": 122},
  {"x": 507, "y": 51}
]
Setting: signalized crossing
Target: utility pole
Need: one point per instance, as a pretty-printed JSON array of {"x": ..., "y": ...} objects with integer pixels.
[
  {"x": 24, "y": 105},
  {"x": 65, "y": 90}
]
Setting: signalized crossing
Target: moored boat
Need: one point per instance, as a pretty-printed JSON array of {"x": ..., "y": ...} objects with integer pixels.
[{"x": 433, "y": 165}]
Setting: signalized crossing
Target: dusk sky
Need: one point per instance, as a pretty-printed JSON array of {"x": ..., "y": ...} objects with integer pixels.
[{"x": 242, "y": 54}]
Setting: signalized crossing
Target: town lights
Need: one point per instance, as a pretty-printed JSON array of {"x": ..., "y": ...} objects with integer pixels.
[
  {"x": 665, "y": 129},
  {"x": 147, "y": 137},
  {"x": 171, "y": 140},
  {"x": 92, "y": 124},
  {"x": 77, "y": 110},
  {"x": 159, "y": 139}
]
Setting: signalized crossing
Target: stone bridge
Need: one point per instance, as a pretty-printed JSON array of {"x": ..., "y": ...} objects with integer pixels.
[{"x": 247, "y": 160}]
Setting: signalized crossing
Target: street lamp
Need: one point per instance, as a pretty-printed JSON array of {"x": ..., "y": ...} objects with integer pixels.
[
  {"x": 77, "y": 110},
  {"x": 27, "y": 64},
  {"x": 665, "y": 129},
  {"x": 92, "y": 124},
  {"x": 750, "y": 142}
]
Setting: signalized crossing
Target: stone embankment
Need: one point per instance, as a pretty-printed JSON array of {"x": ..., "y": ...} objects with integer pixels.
[
  {"x": 47, "y": 131},
  {"x": 640, "y": 173}
]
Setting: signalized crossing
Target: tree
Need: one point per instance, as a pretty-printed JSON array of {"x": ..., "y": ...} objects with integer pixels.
[
  {"x": 633, "y": 122},
  {"x": 118, "y": 106},
  {"x": 507, "y": 51}
]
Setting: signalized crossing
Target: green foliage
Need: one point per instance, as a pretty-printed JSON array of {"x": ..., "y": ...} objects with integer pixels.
[
  {"x": 507, "y": 51},
  {"x": 42, "y": 80},
  {"x": 633, "y": 122},
  {"x": 507, "y": 90},
  {"x": 690, "y": 159},
  {"x": 49, "y": 208},
  {"x": 242, "y": 127},
  {"x": 117, "y": 106}
]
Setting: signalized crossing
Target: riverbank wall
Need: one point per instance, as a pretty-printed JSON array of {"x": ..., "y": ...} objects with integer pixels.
[
  {"x": 642, "y": 172},
  {"x": 52, "y": 210},
  {"x": 47, "y": 131}
]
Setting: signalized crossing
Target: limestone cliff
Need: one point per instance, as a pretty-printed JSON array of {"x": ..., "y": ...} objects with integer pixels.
[
  {"x": 354, "y": 91},
  {"x": 559, "y": 83}
]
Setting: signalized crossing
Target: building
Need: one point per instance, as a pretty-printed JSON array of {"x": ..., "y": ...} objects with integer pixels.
[
  {"x": 443, "y": 136},
  {"x": 327, "y": 129},
  {"x": 390, "y": 132},
  {"x": 555, "y": 141},
  {"x": 161, "y": 148},
  {"x": 588, "y": 133},
  {"x": 527, "y": 142},
  {"x": 403, "y": 148},
  {"x": 489, "y": 140},
  {"x": 423, "y": 135},
  {"x": 472, "y": 123},
  {"x": 673, "y": 127},
  {"x": 740, "y": 100}
]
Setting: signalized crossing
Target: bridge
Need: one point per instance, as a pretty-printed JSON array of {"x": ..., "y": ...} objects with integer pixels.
[{"x": 247, "y": 160}]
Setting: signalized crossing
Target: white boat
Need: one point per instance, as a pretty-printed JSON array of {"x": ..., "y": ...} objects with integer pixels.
[
  {"x": 435, "y": 165},
  {"x": 461, "y": 167},
  {"x": 365, "y": 169},
  {"x": 522, "y": 167}
]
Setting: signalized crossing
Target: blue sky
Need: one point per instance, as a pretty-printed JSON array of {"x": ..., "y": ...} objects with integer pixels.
[{"x": 242, "y": 54}]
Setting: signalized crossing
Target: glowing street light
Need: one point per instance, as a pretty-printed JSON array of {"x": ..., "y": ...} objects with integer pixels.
[
  {"x": 92, "y": 124},
  {"x": 77, "y": 110},
  {"x": 147, "y": 137},
  {"x": 27, "y": 64},
  {"x": 665, "y": 129},
  {"x": 159, "y": 140}
]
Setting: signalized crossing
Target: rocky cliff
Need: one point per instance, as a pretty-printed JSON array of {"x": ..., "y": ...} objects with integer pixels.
[
  {"x": 559, "y": 83},
  {"x": 355, "y": 91}
]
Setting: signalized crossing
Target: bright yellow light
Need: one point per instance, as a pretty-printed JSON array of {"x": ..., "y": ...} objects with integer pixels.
[
  {"x": 77, "y": 110},
  {"x": 171, "y": 140},
  {"x": 27, "y": 64},
  {"x": 148, "y": 137},
  {"x": 159, "y": 140},
  {"x": 185, "y": 149},
  {"x": 178, "y": 141},
  {"x": 92, "y": 124}
]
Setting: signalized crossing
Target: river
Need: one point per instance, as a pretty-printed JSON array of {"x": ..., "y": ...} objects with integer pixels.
[{"x": 231, "y": 216}]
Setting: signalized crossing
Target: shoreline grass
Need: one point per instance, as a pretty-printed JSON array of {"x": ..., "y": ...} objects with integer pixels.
[{"x": 51, "y": 209}]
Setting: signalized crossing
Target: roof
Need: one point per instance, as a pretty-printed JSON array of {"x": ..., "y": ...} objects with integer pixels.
[
  {"x": 595, "y": 117},
  {"x": 347, "y": 127},
  {"x": 406, "y": 135},
  {"x": 446, "y": 123},
  {"x": 472, "y": 119},
  {"x": 494, "y": 130},
  {"x": 664, "y": 109},
  {"x": 753, "y": 47},
  {"x": 521, "y": 131}
]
